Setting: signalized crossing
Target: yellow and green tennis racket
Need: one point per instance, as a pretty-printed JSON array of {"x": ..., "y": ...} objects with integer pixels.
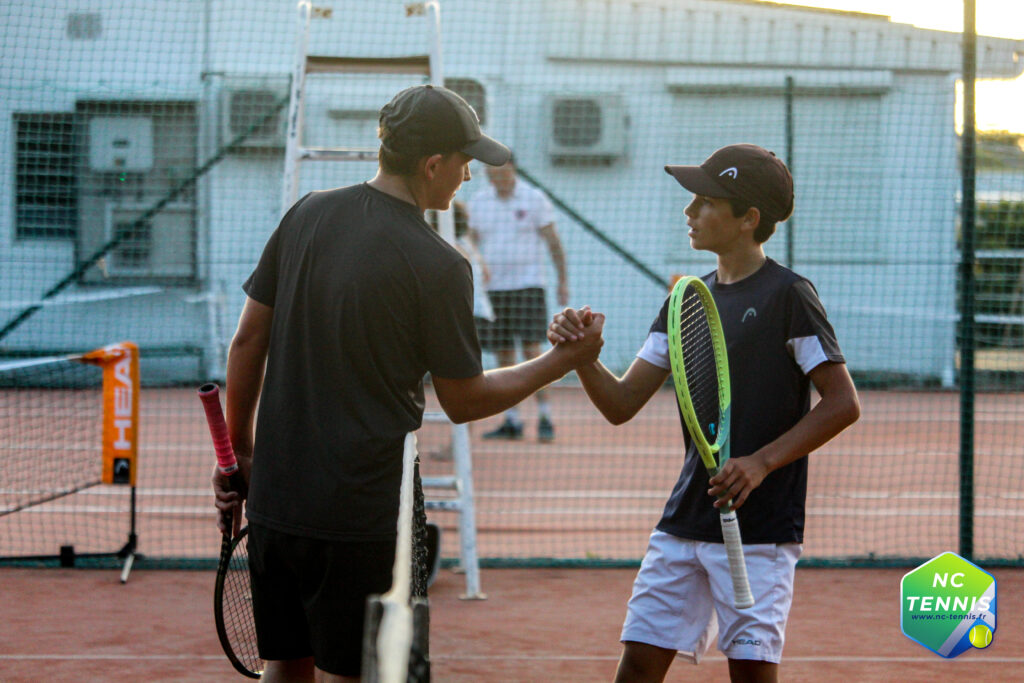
[{"x": 700, "y": 372}]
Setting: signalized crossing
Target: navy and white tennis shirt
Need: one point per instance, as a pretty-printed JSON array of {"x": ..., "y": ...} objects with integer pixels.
[{"x": 776, "y": 332}]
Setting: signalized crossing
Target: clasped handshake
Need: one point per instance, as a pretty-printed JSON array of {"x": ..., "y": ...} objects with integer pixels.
[{"x": 578, "y": 331}]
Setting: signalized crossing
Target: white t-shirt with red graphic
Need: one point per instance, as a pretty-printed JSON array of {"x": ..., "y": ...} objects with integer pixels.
[{"x": 509, "y": 235}]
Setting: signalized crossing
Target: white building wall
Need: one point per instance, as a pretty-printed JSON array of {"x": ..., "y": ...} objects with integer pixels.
[
  {"x": 145, "y": 51},
  {"x": 893, "y": 82}
]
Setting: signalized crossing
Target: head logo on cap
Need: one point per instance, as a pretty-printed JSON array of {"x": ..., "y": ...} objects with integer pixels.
[{"x": 755, "y": 176}]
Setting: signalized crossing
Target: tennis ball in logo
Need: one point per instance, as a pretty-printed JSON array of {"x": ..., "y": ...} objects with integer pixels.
[
  {"x": 980, "y": 636},
  {"x": 944, "y": 600}
]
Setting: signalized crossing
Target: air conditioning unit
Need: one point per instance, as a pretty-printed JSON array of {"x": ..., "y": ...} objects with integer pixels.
[
  {"x": 254, "y": 109},
  {"x": 162, "y": 246},
  {"x": 586, "y": 127}
]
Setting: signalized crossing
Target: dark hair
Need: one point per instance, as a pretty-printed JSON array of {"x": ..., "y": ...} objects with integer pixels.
[
  {"x": 765, "y": 226},
  {"x": 392, "y": 162},
  {"x": 396, "y": 163}
]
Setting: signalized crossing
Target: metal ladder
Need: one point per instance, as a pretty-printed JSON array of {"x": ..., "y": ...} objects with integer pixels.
[
  {"x": 461, "y": 482},
  {"x": 429, "y": 66}
]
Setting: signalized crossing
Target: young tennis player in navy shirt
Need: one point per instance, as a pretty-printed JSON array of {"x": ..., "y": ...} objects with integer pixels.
[{"x": 780, "y": 342}]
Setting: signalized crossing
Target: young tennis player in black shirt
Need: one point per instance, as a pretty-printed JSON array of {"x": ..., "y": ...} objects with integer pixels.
[{"x": 354, "y": 300}]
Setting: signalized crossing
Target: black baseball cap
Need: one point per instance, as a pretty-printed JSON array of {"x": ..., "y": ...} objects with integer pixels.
[
  {"x": 746, "y": 172},
  {"x": 429, "y": 119}
]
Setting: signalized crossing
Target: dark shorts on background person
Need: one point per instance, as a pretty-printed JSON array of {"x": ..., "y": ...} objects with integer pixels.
[
  {"x": 518, "y": 314},
  {"x": 483, "y": 326},
  {"x": 305, "y": 585}
]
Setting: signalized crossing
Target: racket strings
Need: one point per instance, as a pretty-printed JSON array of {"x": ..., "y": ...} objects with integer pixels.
[
  {"x": 237, "y": 605},
  {"x": 698, "y": 355}
]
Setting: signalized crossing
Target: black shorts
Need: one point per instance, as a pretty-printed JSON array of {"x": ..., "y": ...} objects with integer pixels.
[
  {"x": 518, "y": 314},
  {"x": 309, "y": 595}
]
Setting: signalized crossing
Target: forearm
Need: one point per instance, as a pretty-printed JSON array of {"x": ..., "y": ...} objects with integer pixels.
[
  {"x": 246, "y": 362},
  {"x": 604, "y": 390},
  {"x": 558, "y": 258},
  {"x": 619, "y": 399},
  {"x": 489, "y": 393},
  {"x": 819, "y": 426},
  {"x": 554, "y": 243},
  {"x": 838, "y": 408},
  {"x": 496, "y": 390}
]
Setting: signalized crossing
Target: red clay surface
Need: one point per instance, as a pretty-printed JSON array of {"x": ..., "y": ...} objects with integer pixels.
[
  {"x": 886, "y": 487},
  {"x": 536, "y": 625},
  {"x": 889, "y": 486}
]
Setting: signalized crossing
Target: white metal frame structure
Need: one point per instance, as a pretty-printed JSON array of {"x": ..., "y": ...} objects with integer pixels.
[{"x": 429, "y": 66}]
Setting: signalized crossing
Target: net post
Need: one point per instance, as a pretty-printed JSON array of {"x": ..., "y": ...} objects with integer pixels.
[
  {"x": 467, "y": 513},
  {"x": 967, "y": 259},
  {"x": 127, "y": 553},
  {"x": 371, "y": 627},
  {"x": 790, "y": 226},
  {"x": 419, "y": 655}
]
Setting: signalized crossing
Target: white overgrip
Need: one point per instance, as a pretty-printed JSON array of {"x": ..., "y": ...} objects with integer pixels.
[{"x": 742, "y": 597}]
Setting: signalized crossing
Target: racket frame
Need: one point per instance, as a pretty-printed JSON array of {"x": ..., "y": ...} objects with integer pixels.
[
  {"x": 209, "y": 394},
  {"x": 713, "y": 455},
  {"x": 227, "y": 551}
]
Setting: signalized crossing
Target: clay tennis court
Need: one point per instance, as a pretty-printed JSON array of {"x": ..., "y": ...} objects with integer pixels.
[
  {"x": 886, "y": 488},
  {"x": 536, "y": 625}
]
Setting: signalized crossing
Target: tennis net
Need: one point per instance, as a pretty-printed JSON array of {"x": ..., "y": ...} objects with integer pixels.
[
  {"x": 396, "y": 644},
  {"x": 62, "y": 474}
]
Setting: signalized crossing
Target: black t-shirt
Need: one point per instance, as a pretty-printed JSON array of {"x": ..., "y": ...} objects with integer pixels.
[
  {"x": 367, "y": 299},
  {"x": 776, "y": 332}
]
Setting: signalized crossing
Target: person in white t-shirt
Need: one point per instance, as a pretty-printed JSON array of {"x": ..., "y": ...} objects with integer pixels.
[
  {"x": 511, "y": 223},
  {"x": 483, "y": 312}
]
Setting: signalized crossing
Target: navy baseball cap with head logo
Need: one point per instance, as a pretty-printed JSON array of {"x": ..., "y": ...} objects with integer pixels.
[
  {"x": 429, "y": 119},
  {"x": 745, "y": 172}
]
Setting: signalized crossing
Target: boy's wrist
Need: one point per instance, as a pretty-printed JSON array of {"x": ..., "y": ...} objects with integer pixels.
[{"x": 763, "y": 458}]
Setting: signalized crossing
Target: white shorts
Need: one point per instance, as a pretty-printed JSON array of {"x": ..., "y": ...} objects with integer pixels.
[{"x": 679, "y": 583}]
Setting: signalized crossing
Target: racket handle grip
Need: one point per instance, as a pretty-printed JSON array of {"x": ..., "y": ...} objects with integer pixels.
[
  {"x": 742, "y": 597},
  {"x": 209, "y": 394},
  {"x": 235, "y": 483}
]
